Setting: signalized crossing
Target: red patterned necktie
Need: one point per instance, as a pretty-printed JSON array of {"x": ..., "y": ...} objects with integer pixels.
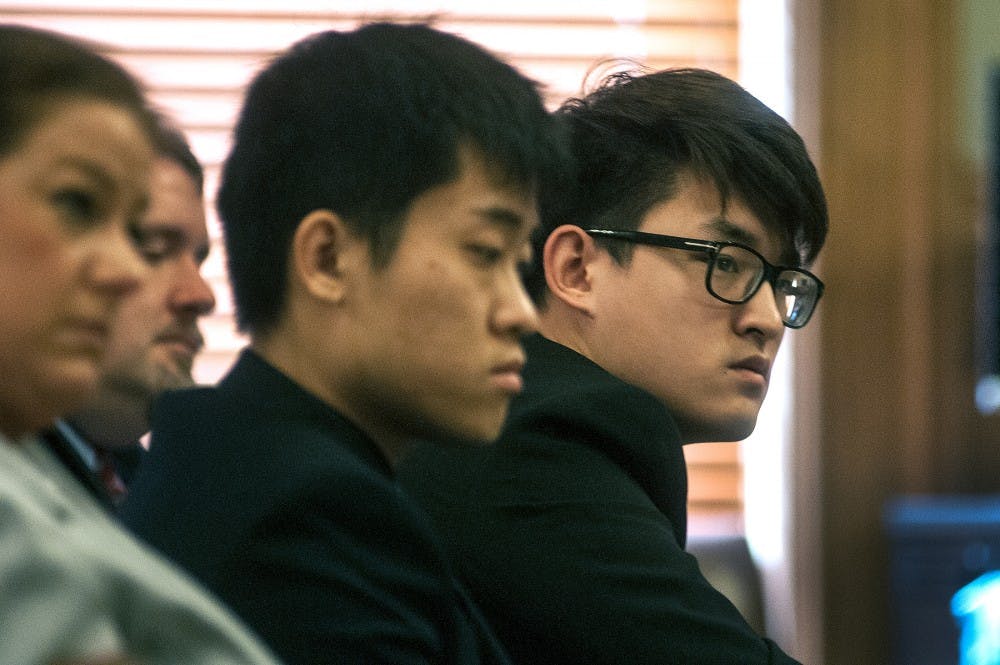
[{"x": 109, "y": 476}]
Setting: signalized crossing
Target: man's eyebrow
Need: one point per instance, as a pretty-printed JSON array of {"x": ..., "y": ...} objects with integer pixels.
[
  {"x": 501, "y": 216},
  {"x": 162, "y": 230},
  {"x": 727, "y": 231}
]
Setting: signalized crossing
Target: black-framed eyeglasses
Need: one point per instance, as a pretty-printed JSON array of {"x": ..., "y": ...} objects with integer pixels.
[{"x": 735, "y": 273}]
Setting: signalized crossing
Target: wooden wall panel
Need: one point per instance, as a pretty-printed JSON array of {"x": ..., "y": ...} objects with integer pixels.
[{"x": 896, "y": 341}]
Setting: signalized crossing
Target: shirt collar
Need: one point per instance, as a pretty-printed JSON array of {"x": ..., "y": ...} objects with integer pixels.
[{"x": 81, "y": 447}]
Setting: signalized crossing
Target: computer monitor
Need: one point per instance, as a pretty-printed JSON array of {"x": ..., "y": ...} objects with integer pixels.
[{"x": 944, "y": 563}]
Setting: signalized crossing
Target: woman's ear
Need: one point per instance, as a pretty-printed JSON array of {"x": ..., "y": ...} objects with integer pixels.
[
  {"x": 569, "y": 256},
  {"x": 324, "y": 252}
]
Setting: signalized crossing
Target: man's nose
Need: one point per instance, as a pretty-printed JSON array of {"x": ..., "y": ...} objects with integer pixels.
[{"x": 193, "y": 293}]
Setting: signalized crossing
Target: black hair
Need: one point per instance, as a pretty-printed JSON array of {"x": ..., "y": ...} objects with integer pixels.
[
  {"x": 637, "y": 133},
  {"x": 361, "y": 123},
  {"x": 39, "y": 68}
]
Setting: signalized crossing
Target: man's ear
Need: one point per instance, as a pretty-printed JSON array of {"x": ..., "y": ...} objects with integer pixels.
[
  {"x": 568, "y": 256},
  {"x": 324, "y": 252}
]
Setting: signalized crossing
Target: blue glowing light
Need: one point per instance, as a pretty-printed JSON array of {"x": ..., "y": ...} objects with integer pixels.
[{"x": 976, "y": 606}]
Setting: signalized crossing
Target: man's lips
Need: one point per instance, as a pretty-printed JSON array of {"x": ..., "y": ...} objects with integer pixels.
[
  {"x": 192, "y": 341},
  {"x": 507, "y": 375},
  {"x": 756, "y": 364}
]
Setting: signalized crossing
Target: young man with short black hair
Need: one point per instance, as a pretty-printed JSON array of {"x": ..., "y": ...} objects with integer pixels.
[{"x": 376, "y": 206}]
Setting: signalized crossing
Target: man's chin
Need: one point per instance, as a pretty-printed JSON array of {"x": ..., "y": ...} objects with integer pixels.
[
  {"x": 151, "y": 384},
  {"x": 174, "y": 383},
  {"x": 730, "y": 429},
  {"x": 178, "y": 381}
]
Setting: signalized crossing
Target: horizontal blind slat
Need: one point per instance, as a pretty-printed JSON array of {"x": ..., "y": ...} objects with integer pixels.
[{"x": 481, "y": 10}]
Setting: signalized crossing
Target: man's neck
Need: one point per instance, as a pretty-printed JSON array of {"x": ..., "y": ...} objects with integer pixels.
[
  {"x": 314, "y": 377},
  {"x": 563, "y": 327},
  {"x": 111, "y": 428}
]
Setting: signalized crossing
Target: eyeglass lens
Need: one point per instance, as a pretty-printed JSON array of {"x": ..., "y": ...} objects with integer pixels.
[
  {"x": 796, "y": 294},
  {"x": 737, "y": 273}
]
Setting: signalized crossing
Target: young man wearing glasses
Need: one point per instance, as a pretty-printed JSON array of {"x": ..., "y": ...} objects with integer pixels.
[{"x": 665, "y": 279}]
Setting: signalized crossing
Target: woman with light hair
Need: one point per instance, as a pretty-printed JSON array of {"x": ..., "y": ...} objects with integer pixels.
[{"x": 75, "y": 154}]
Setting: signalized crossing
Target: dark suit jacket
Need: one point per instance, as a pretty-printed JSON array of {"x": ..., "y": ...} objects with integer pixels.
[
  {"x": 570, "y": 531},
  {"x": 290, "y": 514}
]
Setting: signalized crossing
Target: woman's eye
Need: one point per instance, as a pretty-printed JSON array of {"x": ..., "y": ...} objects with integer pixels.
[{"x": 78, "y": 205}]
